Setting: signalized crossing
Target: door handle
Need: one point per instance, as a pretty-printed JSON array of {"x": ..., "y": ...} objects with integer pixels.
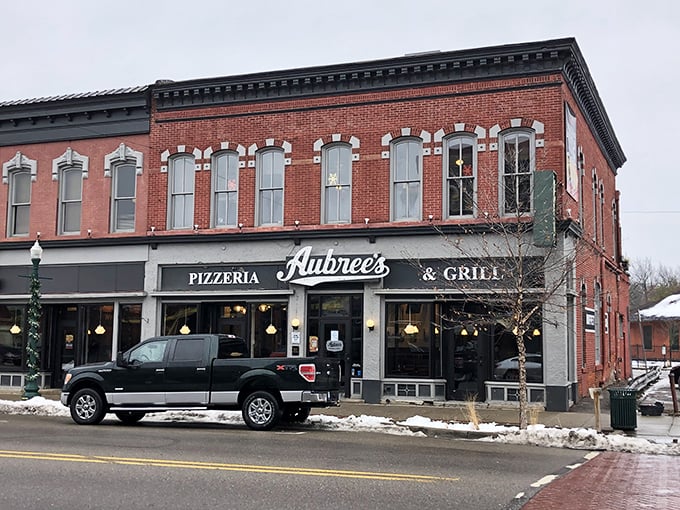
[
  {"x": 200, "y": 369},
  {"x": 160, "y": 370}
]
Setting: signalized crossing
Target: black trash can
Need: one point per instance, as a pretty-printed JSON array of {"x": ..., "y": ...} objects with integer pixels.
[{"x": 623, "y": 408}]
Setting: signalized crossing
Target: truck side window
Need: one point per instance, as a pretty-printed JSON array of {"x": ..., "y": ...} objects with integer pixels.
[
  {"x": 189, "y": 349},
  {"x": 231, "y": 348},
  {"x": 149, "y": 352}
]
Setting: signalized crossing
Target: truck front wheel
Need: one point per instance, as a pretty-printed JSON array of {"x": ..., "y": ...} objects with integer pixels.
[
  {"x": 261, "y": 411},
  {"x": 87, "y": 407}
]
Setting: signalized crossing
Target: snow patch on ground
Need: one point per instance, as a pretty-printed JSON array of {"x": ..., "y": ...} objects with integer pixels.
[{"x": 539, "y": 435}]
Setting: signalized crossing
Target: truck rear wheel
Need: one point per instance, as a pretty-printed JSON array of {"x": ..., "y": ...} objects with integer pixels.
[
  {"x": 87, "y": 407},
  {"x": 295, "y": 414},
  {"x": 130, "y": 417},
  {"x": 261, "y": 411}
]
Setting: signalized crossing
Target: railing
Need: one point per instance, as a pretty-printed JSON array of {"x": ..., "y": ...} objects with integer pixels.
[{"x": 644, "y": 380}]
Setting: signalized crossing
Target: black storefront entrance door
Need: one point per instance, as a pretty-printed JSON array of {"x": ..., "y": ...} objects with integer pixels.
[
  {"x": 335, "y": 342},
  {"x": 466, "y": 361},
  {"x": 66, "y": 348}
]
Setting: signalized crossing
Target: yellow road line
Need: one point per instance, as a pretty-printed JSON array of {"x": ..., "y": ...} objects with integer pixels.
[{"x": 132, "y": 461}]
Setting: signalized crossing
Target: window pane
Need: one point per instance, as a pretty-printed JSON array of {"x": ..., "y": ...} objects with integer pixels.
[
  {"x": 21, "y": 217},
  {"x": 125, "y": 181},
  {"x": 21, "y": 188},
  {"x": 265, "y": 207},
  {"x": 125, "y": 215},
  {"x": 72, "y": 184},
  {"x": 71, "y": 217}
]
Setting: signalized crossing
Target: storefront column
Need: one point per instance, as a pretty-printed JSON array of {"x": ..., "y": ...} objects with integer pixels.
[{"x": 372, "y": 355}]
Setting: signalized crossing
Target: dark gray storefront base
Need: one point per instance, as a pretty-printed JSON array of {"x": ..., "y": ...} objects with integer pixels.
[
  {"x": 371, "y": 391},
  {"x": 557, "y": 398}
]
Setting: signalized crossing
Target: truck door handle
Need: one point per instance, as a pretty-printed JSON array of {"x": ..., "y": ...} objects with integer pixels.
[
  {"x": 160, "y": 370},
  {"x": 200, "y": 369}
]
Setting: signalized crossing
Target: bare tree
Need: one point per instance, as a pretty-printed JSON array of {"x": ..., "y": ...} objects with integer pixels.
[
  {"x": 651, "y": 283},
  {"x": 531, "y": 279}
]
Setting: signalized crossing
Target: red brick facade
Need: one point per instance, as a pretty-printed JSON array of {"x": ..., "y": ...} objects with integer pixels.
[{"x": 371, "y": 104}]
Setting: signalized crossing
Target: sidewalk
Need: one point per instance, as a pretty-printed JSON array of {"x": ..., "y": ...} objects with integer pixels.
[{"x": 660, "y": 429}]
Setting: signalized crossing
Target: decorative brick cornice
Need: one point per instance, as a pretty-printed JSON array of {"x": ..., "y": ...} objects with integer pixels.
[{"x": 436, "y": 68}]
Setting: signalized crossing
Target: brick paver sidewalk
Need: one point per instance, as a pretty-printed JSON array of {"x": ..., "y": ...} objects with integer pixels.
[{"x": 615, "y": 480}]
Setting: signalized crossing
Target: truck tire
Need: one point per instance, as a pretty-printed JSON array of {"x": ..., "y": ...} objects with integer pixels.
[
  {"x": 295, "y": 414},
  {"x": 261, "y": 411},
  {"x": 87, "y": 407},
  {"x": 130, "y": 417}
]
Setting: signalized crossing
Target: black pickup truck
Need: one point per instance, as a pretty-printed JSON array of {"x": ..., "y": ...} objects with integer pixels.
[{"x": 191, "y": 372}]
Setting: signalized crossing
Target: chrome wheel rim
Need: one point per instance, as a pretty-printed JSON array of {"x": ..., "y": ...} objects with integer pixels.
[
  {"x": 260, "y": 411},
  {"x": 86, "y": 407}
]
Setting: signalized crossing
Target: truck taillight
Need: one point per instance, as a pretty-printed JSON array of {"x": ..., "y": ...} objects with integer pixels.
[{"x": 308, "y": 372}]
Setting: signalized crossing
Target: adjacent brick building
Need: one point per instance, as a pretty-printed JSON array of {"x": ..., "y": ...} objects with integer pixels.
[{"x": 358, "y": 210}]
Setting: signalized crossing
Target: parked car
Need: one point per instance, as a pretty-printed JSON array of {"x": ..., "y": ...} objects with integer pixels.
[{"x": 508, "y": 369}]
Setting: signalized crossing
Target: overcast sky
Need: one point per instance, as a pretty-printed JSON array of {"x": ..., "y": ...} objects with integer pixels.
[{"x": 632, "y": 49}]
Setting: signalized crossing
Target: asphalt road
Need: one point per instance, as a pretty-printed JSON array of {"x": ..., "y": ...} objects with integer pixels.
[{"x": 49, "y": 462}]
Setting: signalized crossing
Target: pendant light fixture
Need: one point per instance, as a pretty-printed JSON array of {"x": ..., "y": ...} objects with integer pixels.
[
  {"x": 271, "y": 329},
  {"x": 15, "y": 329},
  {"x": 184, "y": 330},
  {"x": 100, "y": 330},
  {"x": 410, "y": 329}
]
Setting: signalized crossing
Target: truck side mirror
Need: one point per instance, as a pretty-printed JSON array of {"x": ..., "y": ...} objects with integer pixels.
[{"x": 120, "y": 360}]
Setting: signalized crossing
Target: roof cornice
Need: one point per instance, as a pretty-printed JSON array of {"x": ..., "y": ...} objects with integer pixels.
[{"x": 417, "y": 70}]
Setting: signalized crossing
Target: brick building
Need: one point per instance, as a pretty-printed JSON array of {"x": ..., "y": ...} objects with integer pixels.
[
  {"x": 655, "y": 331},
  {"x": 349, "y": 210}
]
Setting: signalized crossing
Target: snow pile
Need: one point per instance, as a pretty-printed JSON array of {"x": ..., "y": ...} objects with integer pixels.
[{"x": 539, "y": 435}]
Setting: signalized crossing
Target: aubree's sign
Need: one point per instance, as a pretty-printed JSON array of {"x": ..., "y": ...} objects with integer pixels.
[{"x": 307, "y": 269}]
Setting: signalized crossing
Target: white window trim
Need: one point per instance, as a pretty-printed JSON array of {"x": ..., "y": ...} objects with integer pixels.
[
  {"x": 393, "y": 145},
  {"x": 11, "y": 214},
  {"x": 213, "y": 187},
  {"x": 114, "y": 199},
  {"x": 445, "y": 174},
  {"x": 501, "y": 160},
  {"x": 171, "y": 205},
  {"x": 324, "y": 176},
  {"x": 258, "y": 188}
]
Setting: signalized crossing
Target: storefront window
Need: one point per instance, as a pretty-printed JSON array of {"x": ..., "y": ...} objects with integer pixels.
[
  {"x": 506, "y": 364},
  {"x": 179, "y": 319},
  {"x": 270, "y": 338},
  {"x": 129, "y": 326},
  {"x": 99, "y": 335},
  {"x": 12, "y": 334},
  {"x": 409, "y": 339}
]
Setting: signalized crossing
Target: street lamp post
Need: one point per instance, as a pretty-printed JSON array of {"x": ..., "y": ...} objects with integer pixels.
[{"x": 34, "y": 310}]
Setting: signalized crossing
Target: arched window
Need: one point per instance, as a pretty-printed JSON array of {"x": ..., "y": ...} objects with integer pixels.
[
  {"x": 124, "y": 197},
  {"x": 517, "y": 163},
  {"x": 19, "y": 202},
  {"x": 181, "y": 192},
  {"x": 337, "y": 183},
  {"x": 460, "y": 172},
  {"x": 270, "y": 166},
  {"x": 70, "y": 199},
  {"x": 225, "y": 189},
  {"x": 406, "y": 159}
]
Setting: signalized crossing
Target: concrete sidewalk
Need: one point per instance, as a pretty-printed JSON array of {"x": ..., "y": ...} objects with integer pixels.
[{"x": 660, "y": 429}]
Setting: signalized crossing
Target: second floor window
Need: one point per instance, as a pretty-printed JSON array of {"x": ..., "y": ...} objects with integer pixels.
[
  {"x": 225, "y": 189},
  {"x": 337, "y": 184},
  {"x": 19, "y": 202},
  {"x": 70, "y": 199},
  {"x": 124, "y": 194},
  {"x": 182, "y": 172},
  {"x": 270, "y": 165},
  {"x": 406, "y": 159},
  {"x": 460, "y": 162},
  {"x": 517, "y": 166}
]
